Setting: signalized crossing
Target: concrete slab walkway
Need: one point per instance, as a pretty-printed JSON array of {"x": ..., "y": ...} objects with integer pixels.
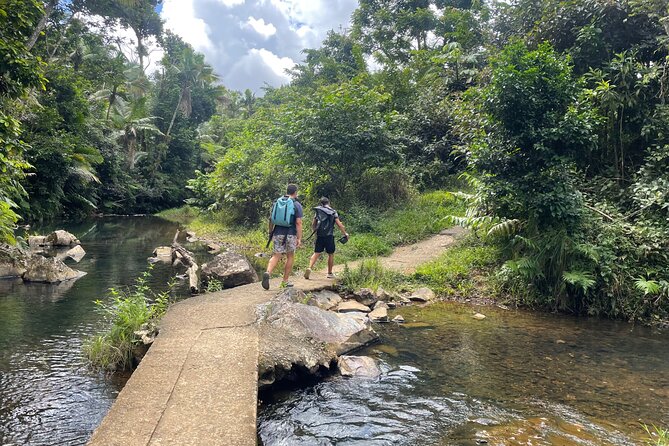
[{"x": 198, "y": 384}]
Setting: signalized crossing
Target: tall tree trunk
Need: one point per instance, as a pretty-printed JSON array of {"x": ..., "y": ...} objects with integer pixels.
[
  {"x": 174, "y": 115},
  {"x": 141, "y": 49},
  {"x": 48, "y": 10}
]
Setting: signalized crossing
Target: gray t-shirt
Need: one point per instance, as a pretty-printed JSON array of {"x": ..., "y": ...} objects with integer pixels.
[{"x": 292, "y": 230}]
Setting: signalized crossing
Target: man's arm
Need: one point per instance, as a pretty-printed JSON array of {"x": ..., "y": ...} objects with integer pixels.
[
  {"x": 341, "y": 226},
  {"x": 314, "y": 223},
  {"x": 298, "y": 226}
]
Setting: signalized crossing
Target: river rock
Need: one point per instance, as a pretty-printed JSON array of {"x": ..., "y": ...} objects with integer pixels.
[
  {"x": 362, "y": 366},
  {"x": 422, "y": 295},
  {"x": 77, "y": 253},
  {"x": 365, "y": 296},
  {"x": 38, "y": 241},
  {"x": 62, "y": 238},
  {"x": 381, "y": 304},
  {"x": 298, "y": 339},
  {"x": 352, "y": 305},
  {"x": 231, "y": 269},
  {"x": 13, "y": 262},
  {"x": 479, "y": 316},
  {"x": 379, "y": 314},
  {"x": 382, "y": 294},
  {"x": 326, "y": 299},
  {"x": 398, "y": 319},
  {"x": 41, "y": 269}
]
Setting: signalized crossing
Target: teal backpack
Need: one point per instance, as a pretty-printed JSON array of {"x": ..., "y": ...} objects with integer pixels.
[{"x": 283, "y": 212}]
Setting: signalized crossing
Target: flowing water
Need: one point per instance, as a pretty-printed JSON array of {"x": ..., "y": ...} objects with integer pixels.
[
  {"x": 514, "y": 378},
  {"x": 47, "y": 394}
]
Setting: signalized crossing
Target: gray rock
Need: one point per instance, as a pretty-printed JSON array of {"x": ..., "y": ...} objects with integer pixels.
[
  {"x": 231, "y": 269},
  {"x": 479, "y": 316},
  {"x": 391, "y": 304},
  {"x": 422, "y": 295},
  {"x": 77, "y": 253},
  {"x": 296, "y": 338},
  {"x": 13, "y": 262},
  {"x": 38, "y": 241},
  {"x": 382, "y": 294},
  {"x": 41, "y": 269},
  {"x": 62, "y": 238},
  {"x": 379, "y": 314},
  {"x": 352, "y": 305},
  {"x": 381, "y": 304},
  {"x": 365, "y": 296},
  {"x": 326, "y": 299},
  {"x": 399, "y": 319},
  {"x": 362, "y": 366}
]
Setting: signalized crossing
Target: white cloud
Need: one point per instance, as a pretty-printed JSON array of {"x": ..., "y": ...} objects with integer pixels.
[
  {"x": 251, "y": 43},
  {"x": 179, "y": 16},
  {"x": 262, "y": 28}
]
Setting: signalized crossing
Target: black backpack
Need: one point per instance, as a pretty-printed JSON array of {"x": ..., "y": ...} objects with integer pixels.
[{"x": 325, "y": 221}]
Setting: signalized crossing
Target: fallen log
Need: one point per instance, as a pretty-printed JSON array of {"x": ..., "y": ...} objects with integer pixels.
[{"x": 187, "y": 259}]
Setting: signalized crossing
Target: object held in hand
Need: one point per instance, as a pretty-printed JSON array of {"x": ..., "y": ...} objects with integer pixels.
[{"x": 343, "y": 240}]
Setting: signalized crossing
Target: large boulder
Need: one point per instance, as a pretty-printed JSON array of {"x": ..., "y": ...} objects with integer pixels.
[
  {"x": 49, "y": 270},
  {"x": 362, "y": 366},
  {"x": 62, "y": 238},
  {"x": 300, "y": 339},
  {"x": 231, "y": 269}
]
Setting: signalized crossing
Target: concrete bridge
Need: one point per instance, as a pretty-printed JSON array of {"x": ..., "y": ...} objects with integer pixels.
[{"x": 198, "y": 384}]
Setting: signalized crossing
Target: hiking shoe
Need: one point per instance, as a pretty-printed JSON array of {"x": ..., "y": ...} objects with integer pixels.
[
  {"x": 265, "y": 280},
  {"x": 307, "y": 273},
  {"x": 331, "y": 276},
  {"x": 286, "y": 285}
]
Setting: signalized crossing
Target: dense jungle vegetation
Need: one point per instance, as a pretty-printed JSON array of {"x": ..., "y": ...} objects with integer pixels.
[{"x": 553, "y": 111}]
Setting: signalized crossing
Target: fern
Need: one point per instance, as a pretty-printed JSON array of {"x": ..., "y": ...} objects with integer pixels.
[
  {"x": 581, "y": 279},
  {"x": 649, "y": 287},
  {"x": 506, "y": 228}
]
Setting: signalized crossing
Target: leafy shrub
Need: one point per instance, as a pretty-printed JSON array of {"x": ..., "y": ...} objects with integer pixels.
[
  {"x": 125, "y": 313},
  {"x": 384, "y": 187}
]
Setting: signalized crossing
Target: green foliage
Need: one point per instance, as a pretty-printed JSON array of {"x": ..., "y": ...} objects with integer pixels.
[
  {"x": 457, "y": 271},
  {"x": 125, "y": 312},
  {"x": 214, "y": 285},
  {"x": 656, "y": 435},
  {"x": 369, "y": 274}
]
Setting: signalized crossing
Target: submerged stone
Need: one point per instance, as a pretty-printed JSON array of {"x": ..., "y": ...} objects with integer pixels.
[{"x": 362, "y": 366}]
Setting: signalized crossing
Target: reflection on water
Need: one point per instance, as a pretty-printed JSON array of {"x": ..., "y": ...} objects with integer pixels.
[
  {"x": 47, "y": 395},
  {"x": 514, "y": 378}
]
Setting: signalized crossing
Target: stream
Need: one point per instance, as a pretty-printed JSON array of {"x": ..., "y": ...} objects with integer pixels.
[
  {"x": 514, "y": 378},
  {"x": 48, "y": 396}
]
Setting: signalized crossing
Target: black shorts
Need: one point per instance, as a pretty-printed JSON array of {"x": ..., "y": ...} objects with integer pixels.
[{"x": 326, "y": 244}]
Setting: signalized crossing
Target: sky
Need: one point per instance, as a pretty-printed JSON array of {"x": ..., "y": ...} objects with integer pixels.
[{"x": 251, "y": 43}]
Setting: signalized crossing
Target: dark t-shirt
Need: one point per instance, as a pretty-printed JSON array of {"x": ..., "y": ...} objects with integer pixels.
[{"x": 292, "y": 230}]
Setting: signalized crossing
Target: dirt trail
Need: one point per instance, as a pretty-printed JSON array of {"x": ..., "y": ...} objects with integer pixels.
[{"x": 198, "y": 383}]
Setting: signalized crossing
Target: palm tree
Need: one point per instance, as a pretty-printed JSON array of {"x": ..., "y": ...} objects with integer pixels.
[
  {"x": 192, "y": 71},
  {"x": 130, "y": 123}
]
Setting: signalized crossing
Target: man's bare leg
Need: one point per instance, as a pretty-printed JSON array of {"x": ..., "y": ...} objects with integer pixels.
[
  {"x": 290, "y": 259},
  {"x": 330, "y": 263},
  {"x": 276, "y": 258}
]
